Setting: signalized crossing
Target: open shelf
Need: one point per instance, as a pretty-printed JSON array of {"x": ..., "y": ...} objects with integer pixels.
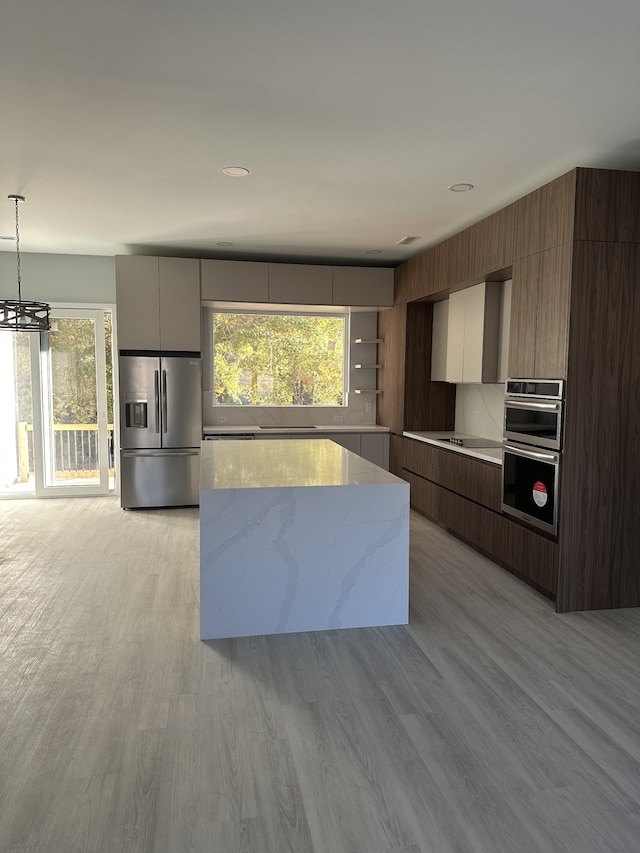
[
  {"x": 366, "y": 391},
  {"x": 369, "y": 340},
  {"x": 367, "y": 366}
]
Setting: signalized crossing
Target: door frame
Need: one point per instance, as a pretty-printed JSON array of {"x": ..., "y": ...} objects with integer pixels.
[{"x": 42, "y": 433}]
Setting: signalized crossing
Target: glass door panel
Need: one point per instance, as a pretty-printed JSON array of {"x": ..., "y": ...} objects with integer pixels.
[
  {"x": 16, "y": 415},
  {"x": 75, "y": 435},
  {"x": 108, "y": 355}
]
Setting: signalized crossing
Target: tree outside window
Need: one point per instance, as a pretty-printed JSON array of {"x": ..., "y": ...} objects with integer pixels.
[{"x": 278, "y": 359}]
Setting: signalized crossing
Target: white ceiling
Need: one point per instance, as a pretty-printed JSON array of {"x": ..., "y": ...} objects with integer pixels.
[{"x": 353, "y": 116}]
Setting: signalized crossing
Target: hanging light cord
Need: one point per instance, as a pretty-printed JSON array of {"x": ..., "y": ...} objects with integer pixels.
[
  {"x": 18, "y": 252},
  {"x": 29, "y": 316}
]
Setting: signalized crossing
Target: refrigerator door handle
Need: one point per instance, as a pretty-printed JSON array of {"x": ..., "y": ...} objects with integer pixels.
[
  {"x": 164, "y": 400},
  {"x": 131, "y": 454},
  {"x": 157, "y": 406}
]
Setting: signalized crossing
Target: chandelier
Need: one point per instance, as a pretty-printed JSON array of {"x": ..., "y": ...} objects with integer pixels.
[{"x": 22, "y": 315}]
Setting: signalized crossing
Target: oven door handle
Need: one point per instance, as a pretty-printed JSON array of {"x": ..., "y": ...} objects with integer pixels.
[
  {"x": 531, "y": 454},
  {"x": 530, "y": 404}
]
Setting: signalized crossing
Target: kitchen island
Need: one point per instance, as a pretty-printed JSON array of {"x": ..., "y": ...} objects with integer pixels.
[{"x": 299, "y": 536}]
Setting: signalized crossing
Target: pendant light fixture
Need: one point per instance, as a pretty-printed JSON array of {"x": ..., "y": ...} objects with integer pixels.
[{"x": 21, "y": 315}]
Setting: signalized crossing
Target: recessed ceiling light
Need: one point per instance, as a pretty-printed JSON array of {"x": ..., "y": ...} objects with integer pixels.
[
  {"x": 460, "y": 188},
  {"x": 407, "y": 241},
  {"x": 373, "y": 252},
  {"x": 236, "y": 171},
  {"x": 224, "y": 243}
]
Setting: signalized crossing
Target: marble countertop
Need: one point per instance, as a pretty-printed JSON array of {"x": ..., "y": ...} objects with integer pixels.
[
  {"x": 318, "y": 428},
  {"x": 486, "y": 454},
  {"x": 274, "y": 464}
]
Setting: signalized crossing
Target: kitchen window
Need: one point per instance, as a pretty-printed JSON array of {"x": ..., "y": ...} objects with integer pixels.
[{"x": 278, "y": 359}]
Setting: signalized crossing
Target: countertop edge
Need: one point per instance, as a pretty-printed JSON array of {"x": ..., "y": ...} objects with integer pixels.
[
  {"x": 484, "y": 454},
  {"x": 256, "y": 465},
  {"x": 318, "y": 429}
]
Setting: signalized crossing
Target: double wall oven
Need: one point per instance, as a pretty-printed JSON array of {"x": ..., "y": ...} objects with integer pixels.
[{"x": 531, "y": 451}]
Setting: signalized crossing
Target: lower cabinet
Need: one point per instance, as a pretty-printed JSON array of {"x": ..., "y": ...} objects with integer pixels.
[
  {"x": 348, "y": 440},
  {"x": 462, "y": 495},
  {"x": 375, "y": 448},
  {"x": 372, "y": 446}
]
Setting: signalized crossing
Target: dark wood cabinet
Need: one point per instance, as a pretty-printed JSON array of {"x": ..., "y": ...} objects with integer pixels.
[
  {"x": 527, "y": 554},
  {"x": 540, "y": 314},
  {"x": 544, "y": 218},
  {"x": 552, "y": 313},
  {"x": 427, "y": 405},
  {"x": 477, "y": 480},
  {"x": 395, "y": 455},
  {"x": 572, "y": 249},
  {"x": 607, "y": 208},
  {"x": 599, "y": 529},
  {"x": 524, "y": 304},
  {"x": 482, "y": 252}
]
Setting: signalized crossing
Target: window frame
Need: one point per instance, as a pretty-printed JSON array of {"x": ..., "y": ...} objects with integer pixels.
[{"x": 208, "y": 348}]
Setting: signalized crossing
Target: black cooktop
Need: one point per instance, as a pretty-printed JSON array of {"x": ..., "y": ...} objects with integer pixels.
[{"x": 472, "y": 442}]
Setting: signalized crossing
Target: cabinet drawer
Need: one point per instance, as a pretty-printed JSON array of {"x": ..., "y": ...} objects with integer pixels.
[
  {"x": 530, "y": 556},
  {"x": 476, "y": 480}
]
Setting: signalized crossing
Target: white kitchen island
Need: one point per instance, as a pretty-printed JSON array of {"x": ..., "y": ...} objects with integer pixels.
[{"x": 299, "y": 536}]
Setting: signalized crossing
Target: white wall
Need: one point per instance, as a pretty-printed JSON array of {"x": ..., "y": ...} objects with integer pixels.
[
  {"x": 480, "y": 410},
  {"x": 59, "y": 278}
]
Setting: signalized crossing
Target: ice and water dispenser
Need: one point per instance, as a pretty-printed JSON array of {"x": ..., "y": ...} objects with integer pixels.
[{"x": 136, "y": 411}]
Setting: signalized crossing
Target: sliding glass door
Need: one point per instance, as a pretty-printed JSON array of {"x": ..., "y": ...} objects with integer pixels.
[
  {"x": 74, "y": 399},
  {"x": 58, "y": 438},
  {"x": 16, "y": 415}
]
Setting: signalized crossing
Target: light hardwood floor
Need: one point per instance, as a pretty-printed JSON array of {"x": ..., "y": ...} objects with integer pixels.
[{"x": 488, "y": 724}]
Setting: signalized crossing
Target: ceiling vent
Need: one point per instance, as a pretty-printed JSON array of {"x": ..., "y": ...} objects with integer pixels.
[{"x": 406, "y": 241}]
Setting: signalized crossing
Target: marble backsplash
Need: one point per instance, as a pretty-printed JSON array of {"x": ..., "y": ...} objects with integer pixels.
[{"x": 480, "y": 410}]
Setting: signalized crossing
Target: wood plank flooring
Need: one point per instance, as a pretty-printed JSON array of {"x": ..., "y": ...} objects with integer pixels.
[{"x": 488, "y": 724}]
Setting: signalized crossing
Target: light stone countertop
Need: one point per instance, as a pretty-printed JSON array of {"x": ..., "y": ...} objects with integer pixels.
[
  {"x": 317, "y": 428},
  {"x": 486, "y": 454},
  {"x": 282, "y": 463}
]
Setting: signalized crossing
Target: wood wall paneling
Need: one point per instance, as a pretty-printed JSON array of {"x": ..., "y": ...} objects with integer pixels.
[
  {"x": 456, "y": 251},
  {"x": 490, "y": 244},
  {"x": 427, "y": 405},
  {"x": 545, "y": 217},
  {"x": 524, "y": 304},
  {"x": 391, "y": 376},
  {"x": 599, "y": 531},
  {"x": 471, "y": 256},
  {"x": 607, "y": 205},
  {"x": 419, "y": 276},
  {"x": 540, "y": 314},
  {"x": 552, "y": 312}
]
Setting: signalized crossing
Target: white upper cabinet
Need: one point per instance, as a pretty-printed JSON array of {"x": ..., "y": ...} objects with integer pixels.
[
  {"x": 179, "y": 287},
  {"x": 473, "y": 334},
  {"x": 137, "y": 302},
  {"x": 296, "y": 284},
  {"x": 439, "y": 341},
  {"x": 158, "y": 303},
  {"x": 505, "y": 329},
  {"x": 363, "y": 286},
  {"x": 235, "y": 281},
  {"x": 300, "y": 284}
]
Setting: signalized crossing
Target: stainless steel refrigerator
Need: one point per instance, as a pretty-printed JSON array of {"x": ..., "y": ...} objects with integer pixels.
[{"x": 160, "y": 428}]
